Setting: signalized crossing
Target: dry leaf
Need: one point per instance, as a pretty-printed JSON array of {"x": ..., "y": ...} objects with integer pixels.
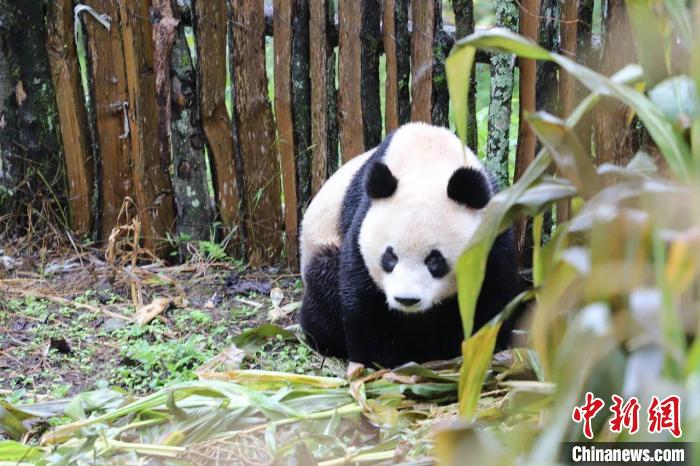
[
  {"x": 279, "y": 313},
  {"x": 211, "y": 303},
  {"x": 276, "y": 295},
  {"x": 401, "y": 378},
  {"x": 230, "y": 359},
  {"x": 354, "y": 370},
  {"x": 20, "y": 93},
  {"x": 150, "y": 311}
]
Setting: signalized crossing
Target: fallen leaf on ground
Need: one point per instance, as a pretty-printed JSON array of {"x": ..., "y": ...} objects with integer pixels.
[
  {"x": 150, "y": 311},
  {"x": 279, "y": 313}
]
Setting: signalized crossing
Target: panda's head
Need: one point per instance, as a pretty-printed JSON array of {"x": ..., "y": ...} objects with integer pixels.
[{"x": 426, "y": 195}]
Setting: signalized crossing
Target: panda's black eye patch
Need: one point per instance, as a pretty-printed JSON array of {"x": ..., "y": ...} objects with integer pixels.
[
  {"x": 436, "y": 263},
  {"x": 389, "y": 260}
]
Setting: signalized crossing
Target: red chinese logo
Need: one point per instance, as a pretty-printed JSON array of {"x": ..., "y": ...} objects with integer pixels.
[
  {"x": 624, "y": 415},
  {"x": 661, "y": 415},
  {"x": 665, "y": 415},
  {"x": 587, "y": 412}
]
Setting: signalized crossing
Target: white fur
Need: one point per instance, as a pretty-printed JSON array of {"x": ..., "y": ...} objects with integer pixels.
[
  {"x": 419, "y": 216},
  {"x": 319, "y": 228}
]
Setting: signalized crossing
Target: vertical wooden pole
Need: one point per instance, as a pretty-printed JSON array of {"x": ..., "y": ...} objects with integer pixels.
[
  {"x": 70, "y": 102},
  {"x": 567, "y": 83},
  {"x": 359, "y": 112},
  {"x": 151, "y": 171},
  {"x": 429, "y": 86},
  {"x": 398, "y": 67},
  {"x": 324, "y": 129},
  {"x": 256, "y": 132},
  {"x": 291, "y": 134},
  {"x": 529, "y": 26},
  {"x": 527, "y": 142},
  {"x": 111, "y": 101},
  {"x": 211, "y": 26}
]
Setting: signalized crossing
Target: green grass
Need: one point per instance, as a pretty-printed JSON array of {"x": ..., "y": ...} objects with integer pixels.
[{"x": 104, "y": 352}]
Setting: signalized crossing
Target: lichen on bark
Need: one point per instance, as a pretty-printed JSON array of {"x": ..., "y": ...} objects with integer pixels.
[
  {"x": 194, "y": 206},
  {"x": 502, "y": 81}
]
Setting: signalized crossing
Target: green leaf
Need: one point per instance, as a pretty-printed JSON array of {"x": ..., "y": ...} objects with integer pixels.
[
  {"x": 680, "y": 15},
  {"x": 471, "y": 265},
  {"x": 677, "y": 98},
  {"x": 10, "y": 421},
  {"x": 651, "y": 33},
  {"x": 458, "y": 69},
  {"x": 478, "y": 351},
  {"x": 571, "y": 159},
  {"x": 670, "y": 141},
  {"x": 254, "y": 339},
  {"x": 12, "y": 451}
]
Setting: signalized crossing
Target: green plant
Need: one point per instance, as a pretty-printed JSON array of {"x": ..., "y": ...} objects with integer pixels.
[
  {"x": 624, "y": 269},
  {"x": 157, "y": 364}
]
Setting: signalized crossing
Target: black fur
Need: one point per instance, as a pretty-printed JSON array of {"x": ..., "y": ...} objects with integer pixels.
[
  {"x": 320, "y": 316},
  {"x": 469, "y": 187},
  {"x": 345, "y": 314},
  {"x": 381, "y": 183},
  {"x": 436, "y": 263}
]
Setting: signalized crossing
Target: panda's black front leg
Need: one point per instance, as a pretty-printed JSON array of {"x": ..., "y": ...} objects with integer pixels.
[{"x": 371, "y": 336}]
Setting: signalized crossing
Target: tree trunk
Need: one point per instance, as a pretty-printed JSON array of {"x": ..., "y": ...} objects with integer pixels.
[
  {"x": 256, "y": 132},
  {"x": 110, "y": 104},
  {"x": 502, "y": 81},
  {"x": 150, "y": 167},
  {"x": 70, "y": 101},
  {"x": 397, "y": 49},
  {"x": 210, "y": 19},
  {"x": 359, "y": 120},
  {"x": 546, "y": 87},
  {"x": 324, "y": 127},
  {"x": 10, "y": 159},
  {"x": 292, "y": 109},
  {"x": 430, "y": 99},
  {"x": 614, "y": 133},
  {"x": 194, "y": 206},
  {"x": 464, "y": 16},
  {"x": 31, "y": 154}
]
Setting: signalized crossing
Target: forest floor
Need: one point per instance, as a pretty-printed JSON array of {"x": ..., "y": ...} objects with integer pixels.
[
  {"x": 108, "y": 357},
  {"x": 74, "y": 323}
]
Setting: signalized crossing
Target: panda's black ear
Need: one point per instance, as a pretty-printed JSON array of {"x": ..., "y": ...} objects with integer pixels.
[
  {"x": 469, "y": 187},
  {"x": 381, "y": 183}
]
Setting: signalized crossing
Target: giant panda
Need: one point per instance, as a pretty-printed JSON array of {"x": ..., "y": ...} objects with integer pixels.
[{"x": 379, "y": 244}]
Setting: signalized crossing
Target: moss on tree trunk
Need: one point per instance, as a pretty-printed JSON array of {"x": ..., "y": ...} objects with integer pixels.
[{"x": 28, "y": 124}]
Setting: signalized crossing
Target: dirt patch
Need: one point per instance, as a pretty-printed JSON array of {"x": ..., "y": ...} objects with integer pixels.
[{"x": 65, "y": 326}]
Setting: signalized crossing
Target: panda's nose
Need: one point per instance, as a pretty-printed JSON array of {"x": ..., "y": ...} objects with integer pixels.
[{"x": 408, "y": 301}]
